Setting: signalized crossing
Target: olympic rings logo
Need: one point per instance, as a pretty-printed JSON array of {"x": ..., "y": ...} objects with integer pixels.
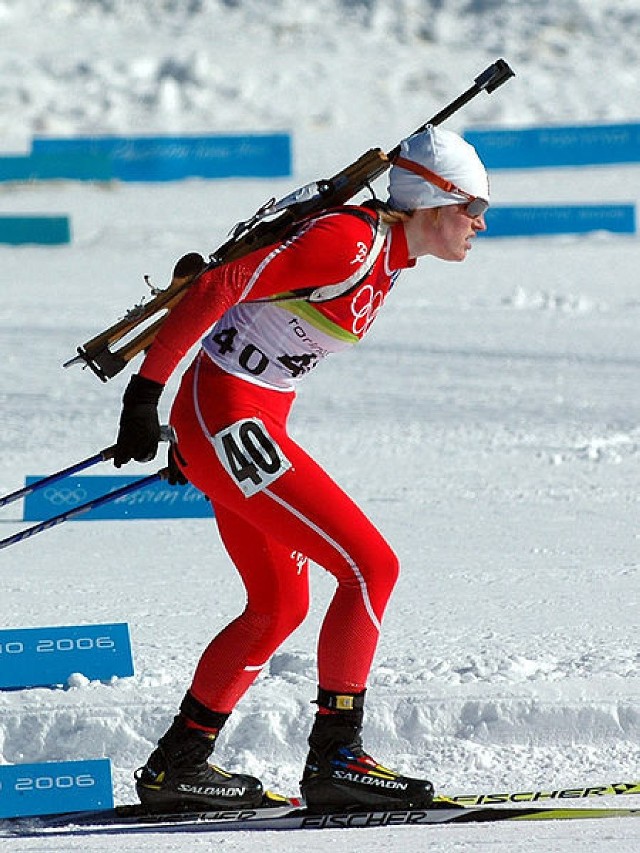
[
  {"x": 364, "y": 307},
  {"x": 65, "y": 497}
]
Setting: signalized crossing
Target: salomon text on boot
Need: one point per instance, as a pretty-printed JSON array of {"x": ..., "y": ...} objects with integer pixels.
[
  {"x": 339, "y": 774},
  {"x": 178, "y": 777}
]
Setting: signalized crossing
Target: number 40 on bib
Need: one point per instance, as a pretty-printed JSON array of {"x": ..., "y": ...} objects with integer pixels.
[{"x": 250, "y": 456}]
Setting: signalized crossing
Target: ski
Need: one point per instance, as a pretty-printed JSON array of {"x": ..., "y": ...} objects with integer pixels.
[
  {"x": 292, "y": 818},
  {"x": 292, "y": 815},
  {"x": 613, "y": 789}
]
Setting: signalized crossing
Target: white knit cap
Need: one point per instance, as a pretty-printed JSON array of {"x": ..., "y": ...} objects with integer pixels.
[{"x": 449, "y": 156}]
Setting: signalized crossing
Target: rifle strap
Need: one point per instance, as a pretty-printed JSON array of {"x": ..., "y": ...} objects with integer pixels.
[
  {"x": 327, "y": 292},
  {"x": 333, "y": 291}
]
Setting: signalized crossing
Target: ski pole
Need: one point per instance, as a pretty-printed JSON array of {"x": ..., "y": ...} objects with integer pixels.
[
  {"x": 82, "y": 508},
  {"x": 102, "y": 456},
  {"x": 166, "y": 434}
]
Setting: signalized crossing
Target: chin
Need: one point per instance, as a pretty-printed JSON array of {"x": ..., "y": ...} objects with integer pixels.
[{"x": 452, "y": 255}]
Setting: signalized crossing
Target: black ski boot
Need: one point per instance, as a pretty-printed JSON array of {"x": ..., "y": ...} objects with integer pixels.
[
  {"x": 178, "y": 777},
  {"x": 340, "y": 775}
]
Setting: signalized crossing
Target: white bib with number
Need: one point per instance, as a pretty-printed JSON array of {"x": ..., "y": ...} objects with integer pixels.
[{"x": 249, "y": 455}]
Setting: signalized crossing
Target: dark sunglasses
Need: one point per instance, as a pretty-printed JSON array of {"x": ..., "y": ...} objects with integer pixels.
[{"x": 475, "y": 205}]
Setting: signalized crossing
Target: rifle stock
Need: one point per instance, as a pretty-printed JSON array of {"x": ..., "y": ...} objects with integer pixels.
[{"x": 254, "y": 234}]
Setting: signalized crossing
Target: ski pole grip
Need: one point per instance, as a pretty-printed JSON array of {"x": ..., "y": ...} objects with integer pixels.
[{"x": 167, "y": 433}]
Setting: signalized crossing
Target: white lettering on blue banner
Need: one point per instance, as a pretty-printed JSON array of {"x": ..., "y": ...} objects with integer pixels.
[
  {"x": 45, "y": 657},
  {"x": 55, "y": 787}
]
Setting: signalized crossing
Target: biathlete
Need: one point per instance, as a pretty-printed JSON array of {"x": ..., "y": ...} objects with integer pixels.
[{"x": 265, "y": 321}]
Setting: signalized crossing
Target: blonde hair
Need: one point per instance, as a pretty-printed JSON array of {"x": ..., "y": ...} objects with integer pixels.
[{"x": 388, "y": 214}]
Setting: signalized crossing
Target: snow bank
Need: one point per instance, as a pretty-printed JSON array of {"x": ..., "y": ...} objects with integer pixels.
[{"x": 160, "y": 65}]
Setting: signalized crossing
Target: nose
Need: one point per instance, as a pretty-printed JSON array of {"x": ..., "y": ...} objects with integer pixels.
[{"x": 479, "y": 223}]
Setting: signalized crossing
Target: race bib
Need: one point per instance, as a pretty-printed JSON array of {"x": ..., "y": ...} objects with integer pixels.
[{"x": 250, "y": 456}]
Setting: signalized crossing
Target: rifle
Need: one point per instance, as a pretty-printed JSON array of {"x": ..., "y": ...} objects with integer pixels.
[{"x": 269, "y": 224}]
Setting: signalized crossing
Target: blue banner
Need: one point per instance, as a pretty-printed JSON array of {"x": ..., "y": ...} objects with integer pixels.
[
  {"x": 38, "y": 230},
  {"x": 157, "y": 500},
  {"x": 55, "y": 787},
  {"x": 530, "y": 147},
  {"x": 45, "y": 657},
  {"x": 529, "y": 221},
  {"x": 48, "y": 167},
  {"x": 174, "y": 158}
]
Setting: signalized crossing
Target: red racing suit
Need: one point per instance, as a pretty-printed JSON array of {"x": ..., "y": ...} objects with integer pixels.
[{"x": 275, "y": 507}]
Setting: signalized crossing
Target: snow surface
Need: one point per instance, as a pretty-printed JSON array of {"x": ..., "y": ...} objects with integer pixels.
[{"x": 489, "y": 423}]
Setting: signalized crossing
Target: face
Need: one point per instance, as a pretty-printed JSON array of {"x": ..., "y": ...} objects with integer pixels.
[{"x": 444, "y": 232}]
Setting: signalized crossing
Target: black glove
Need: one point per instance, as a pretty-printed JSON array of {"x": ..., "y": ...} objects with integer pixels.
[
  {"x": 139, "y": 432},
  {"x": 175, "y": 477}
]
